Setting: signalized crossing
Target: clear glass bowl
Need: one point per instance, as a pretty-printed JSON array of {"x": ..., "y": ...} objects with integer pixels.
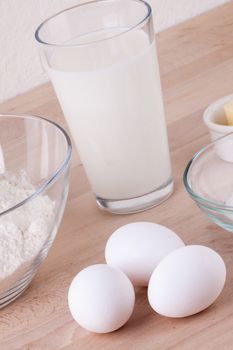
[
  {"x": 38, "y": 152},
  {"x": 208, "y": 178}
]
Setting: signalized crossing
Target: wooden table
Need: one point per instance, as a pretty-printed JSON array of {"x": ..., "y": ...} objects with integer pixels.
[{"x": 196, "y": 61}]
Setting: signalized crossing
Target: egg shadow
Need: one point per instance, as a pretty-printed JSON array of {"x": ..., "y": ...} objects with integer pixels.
[{"x": 143, "y": 312}]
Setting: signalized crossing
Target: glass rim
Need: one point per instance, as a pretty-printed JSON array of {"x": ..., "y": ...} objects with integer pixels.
[
  {"x": 211, "y": 204},
  {"x": 56, "y": 174},
  {"x": 133, "y": 27}
]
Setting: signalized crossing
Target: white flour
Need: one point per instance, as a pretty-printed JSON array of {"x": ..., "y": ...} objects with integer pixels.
[{"x": 24, "y": 230}]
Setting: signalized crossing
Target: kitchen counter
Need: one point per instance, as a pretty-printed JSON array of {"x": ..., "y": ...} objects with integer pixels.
[{"x": 196, "y": 60}]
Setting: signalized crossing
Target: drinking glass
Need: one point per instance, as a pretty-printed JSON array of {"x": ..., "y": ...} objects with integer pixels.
[{"x": 101, "y": 58}]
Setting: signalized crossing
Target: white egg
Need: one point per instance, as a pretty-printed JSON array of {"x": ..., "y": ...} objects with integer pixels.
[
  {"x": 137, "y": 248},
  {"x": 101, "y": 298},
  {"x": 186, "y": 281}
]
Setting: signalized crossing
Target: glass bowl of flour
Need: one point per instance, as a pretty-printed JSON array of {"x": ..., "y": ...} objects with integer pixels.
[{"x": 35, "y": 156}]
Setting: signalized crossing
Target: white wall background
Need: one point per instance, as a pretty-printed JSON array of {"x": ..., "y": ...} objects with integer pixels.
[{"x": 20, "y": 68}]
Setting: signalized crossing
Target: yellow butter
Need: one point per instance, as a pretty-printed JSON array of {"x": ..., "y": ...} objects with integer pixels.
[{"x": 228, "y": 109}]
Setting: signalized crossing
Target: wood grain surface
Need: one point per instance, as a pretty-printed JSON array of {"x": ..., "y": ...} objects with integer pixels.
[{"x": 196, "y": 60}]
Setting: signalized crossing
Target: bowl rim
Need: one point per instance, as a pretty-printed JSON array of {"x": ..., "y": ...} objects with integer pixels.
[
  {"x": 214, "y": 205},
  {"x": 61, "y": 169}
]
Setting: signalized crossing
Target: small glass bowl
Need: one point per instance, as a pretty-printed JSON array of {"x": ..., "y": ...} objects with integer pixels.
[
  {"x": 208, "y": 178},
  {"x": 41, "y": 150}
]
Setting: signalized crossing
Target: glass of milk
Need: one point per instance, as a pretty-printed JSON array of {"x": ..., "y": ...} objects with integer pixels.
[{"x": 101, "y": 58}]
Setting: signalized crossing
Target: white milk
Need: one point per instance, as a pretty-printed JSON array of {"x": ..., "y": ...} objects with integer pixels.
[{"x": 113, "y": 105}]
